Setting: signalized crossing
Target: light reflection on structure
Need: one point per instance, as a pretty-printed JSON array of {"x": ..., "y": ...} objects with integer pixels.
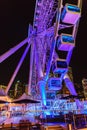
[{"x": 50, "y": 17}]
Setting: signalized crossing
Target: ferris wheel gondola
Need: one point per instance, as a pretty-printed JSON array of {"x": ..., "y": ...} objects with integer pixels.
[{"x": 44, "y": 41}]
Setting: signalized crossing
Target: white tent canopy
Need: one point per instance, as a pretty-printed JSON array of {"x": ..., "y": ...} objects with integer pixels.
[{"x": 25, "y": 99}]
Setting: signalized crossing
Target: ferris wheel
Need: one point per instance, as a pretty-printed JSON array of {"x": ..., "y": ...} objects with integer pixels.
[{"x": 51, "y": 46}]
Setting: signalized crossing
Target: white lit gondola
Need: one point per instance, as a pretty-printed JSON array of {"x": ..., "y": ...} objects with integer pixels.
[{"x": 71, "y": 13}]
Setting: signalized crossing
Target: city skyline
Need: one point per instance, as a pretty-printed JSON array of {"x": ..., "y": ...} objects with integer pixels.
[{"x": 15, "y": 18}]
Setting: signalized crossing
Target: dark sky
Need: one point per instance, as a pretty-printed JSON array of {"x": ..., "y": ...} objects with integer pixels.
[{"x": 15, "y": 16}]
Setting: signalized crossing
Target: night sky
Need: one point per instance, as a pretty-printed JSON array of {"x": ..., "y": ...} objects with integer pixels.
[{"x": 15, "y": 16}]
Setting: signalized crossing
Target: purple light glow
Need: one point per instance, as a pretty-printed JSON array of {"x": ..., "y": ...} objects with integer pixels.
[
  {"x": 42, "y": 85},
  {"x": 71, "y": 18},
  {"x": 13, "y": 50},
  {"x": 17, "y": 69}
]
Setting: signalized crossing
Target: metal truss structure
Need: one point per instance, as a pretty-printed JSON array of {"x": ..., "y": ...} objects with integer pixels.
[{"x": 51, "y": 46}]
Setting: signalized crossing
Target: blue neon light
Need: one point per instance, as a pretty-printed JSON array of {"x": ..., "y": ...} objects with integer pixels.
[
  {"x": 73, "y": 8},
  {"x": 68, "y": 38},
  {"x": 63, "y": 14},
  {"x": 42, "y": 85},
  {"x": 54, "y": 84},
  {"x": 58, "y": 71},
  {"x": 50, "y": 95}
]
